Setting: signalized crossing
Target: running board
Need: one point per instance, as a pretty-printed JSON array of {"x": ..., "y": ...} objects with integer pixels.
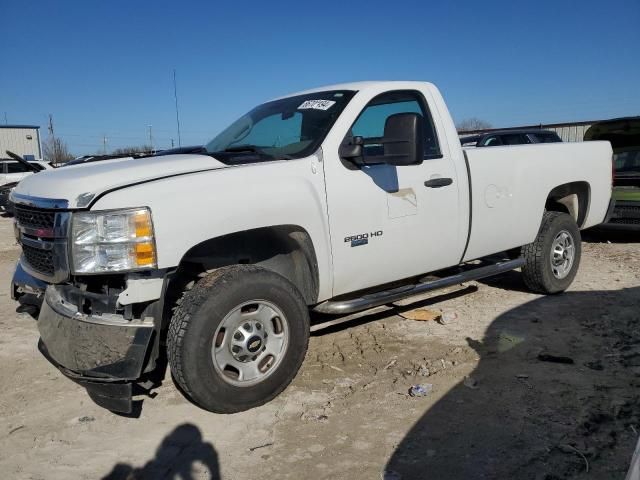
[{"x": 344, "y": 307}]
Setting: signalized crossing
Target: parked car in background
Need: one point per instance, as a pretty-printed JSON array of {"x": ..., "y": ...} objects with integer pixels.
[
  {"x": 12, "y": 171},
  {"x": 5, "y": 192},
  {"x": 510, "y": 137},
  {"x": 624, "y": 136}
]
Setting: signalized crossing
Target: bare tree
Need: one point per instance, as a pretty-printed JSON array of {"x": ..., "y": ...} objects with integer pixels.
[
  {"x": 473, "y": 123},
  {"x": 55, "y": 150},
  {"x": 133, "y": 149}
]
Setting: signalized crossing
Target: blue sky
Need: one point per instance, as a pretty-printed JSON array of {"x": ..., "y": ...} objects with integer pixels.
[{"x": 105, "y": 68}]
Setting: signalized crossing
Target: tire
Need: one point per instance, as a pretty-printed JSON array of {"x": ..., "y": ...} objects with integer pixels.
[
  {"x": 261, "y": 308},
  {"x": 543, "y": 272}
]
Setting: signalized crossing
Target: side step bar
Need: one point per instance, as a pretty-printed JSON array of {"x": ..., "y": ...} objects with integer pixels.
[{"x": 344, "y": 307}]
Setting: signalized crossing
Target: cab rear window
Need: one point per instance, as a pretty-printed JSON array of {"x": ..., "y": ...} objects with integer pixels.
[{"x": 547, "y": 138}]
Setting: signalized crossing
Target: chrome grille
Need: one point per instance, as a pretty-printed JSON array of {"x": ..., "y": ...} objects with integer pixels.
[
  {"x": 43, "y": 235},
  {"x": 35, "y": 218},
  {"x": 38, "y": 259}
]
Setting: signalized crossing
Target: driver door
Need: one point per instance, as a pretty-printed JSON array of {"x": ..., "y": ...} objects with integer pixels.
[{"x": 386, "y": 224}]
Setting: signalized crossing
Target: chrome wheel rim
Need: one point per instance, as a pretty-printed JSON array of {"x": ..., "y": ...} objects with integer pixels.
[
  {"x": 562, "y": 254},
  {"x": 250, "y": 343}
]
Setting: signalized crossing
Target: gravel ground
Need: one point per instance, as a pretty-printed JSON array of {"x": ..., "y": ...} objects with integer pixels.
[{"x": 497, "y": 408}]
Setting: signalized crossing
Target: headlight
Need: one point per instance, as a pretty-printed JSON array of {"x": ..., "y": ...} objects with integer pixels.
[{"x": 112, "y": 241}]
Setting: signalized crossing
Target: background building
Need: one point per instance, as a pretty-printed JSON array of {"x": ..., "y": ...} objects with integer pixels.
[{"x": 23, "y": 140}]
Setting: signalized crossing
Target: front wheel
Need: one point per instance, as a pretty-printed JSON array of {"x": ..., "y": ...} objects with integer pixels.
[
  {"x": 553, "y": 258},
  {"x": 238, "y": 338}
]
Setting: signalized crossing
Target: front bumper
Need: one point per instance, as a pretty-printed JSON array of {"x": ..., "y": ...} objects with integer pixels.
[
  {"x": 24, "y": 283},
  {"x": 103, "y": 353}
]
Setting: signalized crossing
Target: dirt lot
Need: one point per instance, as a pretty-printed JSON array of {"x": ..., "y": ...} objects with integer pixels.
[{"x": 495, "y": 410}]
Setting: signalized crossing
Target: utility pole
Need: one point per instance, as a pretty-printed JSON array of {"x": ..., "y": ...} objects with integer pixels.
[
  {"x": 172, "y": 143},
  {"x": 54, "y": 142},
  {"x": 150, "y": 136},
  {"x": 175, "y": 96}
]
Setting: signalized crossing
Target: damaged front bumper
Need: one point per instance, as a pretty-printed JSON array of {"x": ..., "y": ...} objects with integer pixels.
[
  {"x": 25, "y": 284},
  {"x": 104, "y": 353}
]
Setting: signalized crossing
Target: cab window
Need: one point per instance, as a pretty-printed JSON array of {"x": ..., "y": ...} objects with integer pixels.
[
  {"x": 370, "y": 124},
  {"x": 15, "y": 167},
  {"x": 547, "y": 137},
  {"x": 492, "y": 142},
  {"x": 514, "y": 139}
]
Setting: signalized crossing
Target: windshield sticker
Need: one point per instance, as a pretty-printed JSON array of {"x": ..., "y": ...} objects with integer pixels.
[{"x": 317, "y": 104}]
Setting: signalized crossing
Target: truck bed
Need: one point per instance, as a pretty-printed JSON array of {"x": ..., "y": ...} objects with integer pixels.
[{"x": 509, "y": 186}]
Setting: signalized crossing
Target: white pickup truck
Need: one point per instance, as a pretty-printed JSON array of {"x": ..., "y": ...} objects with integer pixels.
[{"x": 336, "y": 199}]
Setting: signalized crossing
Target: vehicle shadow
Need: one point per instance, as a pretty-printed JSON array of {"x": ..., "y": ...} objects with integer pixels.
[
  {"x": 344, "y": 322},
  {"x": 512, "y": 281},
  {"x": 174, "y": 459},
  {"x": 527, "y": 412},
  {"x": 603, "y": 235}
]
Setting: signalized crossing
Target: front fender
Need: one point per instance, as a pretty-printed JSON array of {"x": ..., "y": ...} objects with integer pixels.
[{"x": 190, "y": 209}]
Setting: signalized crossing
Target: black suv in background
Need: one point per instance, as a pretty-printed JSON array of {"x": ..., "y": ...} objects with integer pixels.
[
  {"x": 510, "y": 137},
  {"x": 624, "y": 135}
]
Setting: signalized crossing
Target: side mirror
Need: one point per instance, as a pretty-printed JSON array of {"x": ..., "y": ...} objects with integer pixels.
[
  {"x": 402, "y": 143},
  {"x": 352, "y": 150},
  {"x": 403, "y": 139}
]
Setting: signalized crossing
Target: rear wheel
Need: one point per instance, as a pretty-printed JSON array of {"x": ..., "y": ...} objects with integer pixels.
[
  {"x": 552, "y": 260},
  {"x": 238, "y": 338}
]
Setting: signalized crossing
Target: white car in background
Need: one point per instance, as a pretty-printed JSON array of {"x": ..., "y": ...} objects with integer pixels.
[{"x": 12, "y": 171}]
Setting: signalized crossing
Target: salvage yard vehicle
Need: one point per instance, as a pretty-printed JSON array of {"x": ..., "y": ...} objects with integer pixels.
[
  {"x": 624, "y": 136},
  {"x": 334, "y": 200},
  {"x": 13, "y": 170},
  {"x": 510, "y": 137}
]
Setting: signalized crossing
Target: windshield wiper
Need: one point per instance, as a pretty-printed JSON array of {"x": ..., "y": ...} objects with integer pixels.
[
  {"x": 252, "y": 149},
  {"x": 243, "y": 148}
]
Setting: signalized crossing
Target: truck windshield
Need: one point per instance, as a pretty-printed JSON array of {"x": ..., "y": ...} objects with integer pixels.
[{"x": 292, "y": 127}]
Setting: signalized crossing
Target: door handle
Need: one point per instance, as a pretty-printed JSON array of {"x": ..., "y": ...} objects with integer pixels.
[{"x": 438, "y": 182}]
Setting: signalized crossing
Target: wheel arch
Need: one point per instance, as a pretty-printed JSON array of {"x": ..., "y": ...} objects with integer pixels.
[
  {"x": 284, "y": 249},
  {"x": 572, "y": 198}
]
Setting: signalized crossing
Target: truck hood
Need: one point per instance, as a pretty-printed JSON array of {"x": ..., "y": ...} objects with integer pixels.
[{"x": 77, "y": 186}]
